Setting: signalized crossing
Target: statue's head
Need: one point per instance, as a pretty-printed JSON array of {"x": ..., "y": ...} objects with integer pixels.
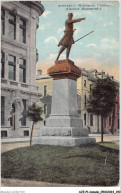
[{"x": 70, "y": 15}]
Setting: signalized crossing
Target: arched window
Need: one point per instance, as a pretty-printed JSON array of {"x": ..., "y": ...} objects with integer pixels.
[
  {"x": 23, "y": 120},
  {"x": 12, "y": 118}
]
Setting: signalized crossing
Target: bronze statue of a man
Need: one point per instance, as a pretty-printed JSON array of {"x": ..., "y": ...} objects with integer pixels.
[{"x": 67, "y": 39}]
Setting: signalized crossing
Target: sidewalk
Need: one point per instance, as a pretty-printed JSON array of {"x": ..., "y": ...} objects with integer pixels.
[
  {"x": 24, "y": 183},
  {"x": 107, "y": 138}
]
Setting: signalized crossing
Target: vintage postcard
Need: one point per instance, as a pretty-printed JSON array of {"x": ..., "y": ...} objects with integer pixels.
[{"x": 60, "y": 102}]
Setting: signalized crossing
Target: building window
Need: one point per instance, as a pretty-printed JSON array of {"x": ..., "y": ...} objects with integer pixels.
[
  {"x": 12, "y": 26},
  {"x": 3, "y": 134},
  {"x": 12, "y": 67},
  {"x": 39, "y": 72},
  {"x": 84, "y": 118},
  {"x": 26, "y": 133},
  {"x": 2, "y": 21},
  {"x": 91, "y": 119},
  {"x": 22, "y": 31},
  {"x": 85, "y": 83},
  {"x": 85, "y": 100},
  {"x": 90, "y": 87},
  {"x": 22, "y": 70},
  {"x": 23, "y": 120},
  {"x": 45, "y": 109},
  {"x": 109, "y": 120},
  {"x": 45, "y": 90},
  {"x": 2, "y": 110},
  {"x": 2, "y": 64}
]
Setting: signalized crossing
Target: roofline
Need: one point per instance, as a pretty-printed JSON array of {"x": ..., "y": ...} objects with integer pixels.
[{"x": 40, "y": 77}]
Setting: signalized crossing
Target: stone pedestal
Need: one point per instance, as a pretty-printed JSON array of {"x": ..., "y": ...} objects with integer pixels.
[{"x": 64, "y": 127}]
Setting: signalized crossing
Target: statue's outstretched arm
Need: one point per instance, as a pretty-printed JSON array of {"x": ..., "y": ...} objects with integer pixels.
[{"x": 75, "y": 21}]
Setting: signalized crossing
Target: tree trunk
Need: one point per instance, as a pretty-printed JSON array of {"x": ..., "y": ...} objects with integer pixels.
[
  {"x": 101, "y": 128},
  {"x": 32, "y": 133}
]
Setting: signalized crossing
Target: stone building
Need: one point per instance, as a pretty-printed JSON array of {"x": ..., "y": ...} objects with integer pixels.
[
  {"x": 84, "y": 85},
  {"x": 19, "y": 22}
]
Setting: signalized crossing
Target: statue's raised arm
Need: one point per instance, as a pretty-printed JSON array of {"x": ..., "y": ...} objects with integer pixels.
[{"x": 67, "y": 40}]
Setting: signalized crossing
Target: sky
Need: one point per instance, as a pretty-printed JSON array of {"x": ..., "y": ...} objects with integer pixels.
[{"x": 99, "y": 50}]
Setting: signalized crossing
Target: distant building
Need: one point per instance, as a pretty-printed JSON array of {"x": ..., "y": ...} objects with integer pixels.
[
  {"x": 84, "y": 85},
  {"x": 19, "y": 22},
  {"x": 112, "y": 122},
  {"x": 45, "y": 85},
  {"x": 93, "y": 122}
]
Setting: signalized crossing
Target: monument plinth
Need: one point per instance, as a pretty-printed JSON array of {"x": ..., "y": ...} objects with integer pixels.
[
  {"x": 64, "y": 126},
  {"x": 64, "y": 69}
]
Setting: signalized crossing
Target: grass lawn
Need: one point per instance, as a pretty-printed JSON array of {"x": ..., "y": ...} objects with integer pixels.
[
  {"x": 83, "y": 165},
  {"x": 110, "y": 145}
]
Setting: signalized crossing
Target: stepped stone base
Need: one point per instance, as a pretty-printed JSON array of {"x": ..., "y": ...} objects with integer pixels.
[{"x": 63, "y": 141}]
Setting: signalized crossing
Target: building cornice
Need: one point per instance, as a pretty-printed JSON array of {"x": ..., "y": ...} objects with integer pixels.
[
  {"x": 24, "y": 92},
  {"x": 35, "y": 5}
]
